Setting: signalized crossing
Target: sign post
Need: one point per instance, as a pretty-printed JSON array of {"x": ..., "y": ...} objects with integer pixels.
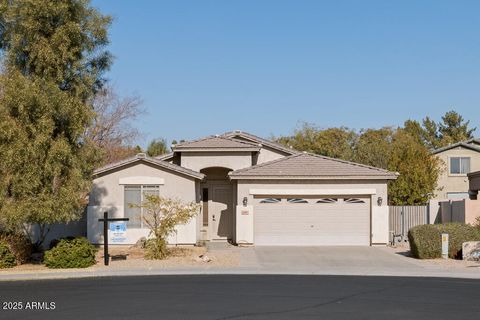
[
  {"x": 106, "y": 220},
  {"x": 445, "y": 245}
]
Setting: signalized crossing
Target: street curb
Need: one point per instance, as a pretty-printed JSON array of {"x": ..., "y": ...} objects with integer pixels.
[{"x": 126, "y": 273}]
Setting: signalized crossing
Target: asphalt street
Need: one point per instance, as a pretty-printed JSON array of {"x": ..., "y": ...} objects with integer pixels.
[{"x": 242, "y": 297}]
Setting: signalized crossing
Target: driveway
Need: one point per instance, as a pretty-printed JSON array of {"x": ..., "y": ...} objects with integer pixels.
[{"x": 343, "y": 260}]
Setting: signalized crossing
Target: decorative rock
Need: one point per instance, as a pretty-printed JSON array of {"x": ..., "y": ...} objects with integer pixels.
[
  {"x": 471, "y": 251},
  {"x": 140, "y": 243},
  {"x": 202, "y": 258},
  {"x": 205, "y": 258}
]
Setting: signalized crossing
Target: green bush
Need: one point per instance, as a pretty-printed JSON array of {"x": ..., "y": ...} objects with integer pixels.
[
  {"x": 19, "y": 244},
  {"x": 71, "y": 253},
  {"x": 7, "y": 259},
  {"x": 426, "y": 243},
  {"x": 156, "y": 249}
]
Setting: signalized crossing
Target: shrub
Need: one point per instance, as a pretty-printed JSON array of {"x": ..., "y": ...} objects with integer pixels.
[
  {"x": 53, "y": 243},
  {"x": 7, "y": 259},
  {"x": 156, "y": 248},
  {"x": 458, "y": 233},
  {"x": 426, "y": 243},
  {"x": 19, "y": 244},
  {"x": 161, "y": 216},
  {"x": 71, "y": 253}
]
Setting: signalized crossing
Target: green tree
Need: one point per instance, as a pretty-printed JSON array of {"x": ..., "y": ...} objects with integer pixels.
[
  {"x": 331, "y": 142},
  {"x": 374, "y": 146},
  {"x": 157, "y": 147},
  {"x": 54, "y": 60},
  {"x": 400, "y": 150},
  {"x": 453, "y": 128},
  {"x": 431, "y": 137},
  {"x": 415, "y": 129},
  {"x": 161, "y": 216},
  {"x": 418, "y": 169}
]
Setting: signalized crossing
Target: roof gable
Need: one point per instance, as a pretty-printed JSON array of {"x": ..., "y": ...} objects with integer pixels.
[
  {"x": 268, "y": 143},
  {"x": 141, "y": 158},
  {"x": 472, "y": 144},
  {"x": 216, "y": 143},
  {"x": 312, "y": 166}
]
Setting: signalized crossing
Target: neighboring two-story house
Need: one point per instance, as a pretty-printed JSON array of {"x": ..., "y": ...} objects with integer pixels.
[{"x": 459, "y": 159}]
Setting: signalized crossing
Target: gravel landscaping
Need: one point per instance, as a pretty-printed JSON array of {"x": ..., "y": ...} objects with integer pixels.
[{"x": 125, "y": 257}]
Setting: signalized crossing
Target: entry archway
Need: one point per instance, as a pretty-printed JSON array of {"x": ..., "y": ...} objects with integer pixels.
[{"x": 218, "y": 203}]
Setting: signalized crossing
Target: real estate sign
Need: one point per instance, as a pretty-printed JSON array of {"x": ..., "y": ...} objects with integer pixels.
[{"x": 117, "y": 232}]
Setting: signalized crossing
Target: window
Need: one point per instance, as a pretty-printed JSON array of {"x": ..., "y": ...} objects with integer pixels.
[
  {"x": 297, "y": 200},
  {"x": 459, "y": 165},
  {"x": 328, "y": 200},
  {"x": 135, "y": 194},
  {"x": 205, "y": 206},
  {"x": 353, "y": 200},
  {"x": 270, "y": 200}
]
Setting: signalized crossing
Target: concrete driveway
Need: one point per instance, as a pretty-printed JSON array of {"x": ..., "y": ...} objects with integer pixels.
[
  {"x": 327, "y": 258},
  {"x": 332, "y": 260}
]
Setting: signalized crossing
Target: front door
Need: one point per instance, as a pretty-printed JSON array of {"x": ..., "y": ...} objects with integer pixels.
[{"x": 221, "y": 213}]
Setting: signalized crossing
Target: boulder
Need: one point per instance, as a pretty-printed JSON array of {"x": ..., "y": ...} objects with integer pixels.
[
  {"x": 140, "y": 243},
  {"x": 202, "y": 258},
  {"x": 471, "y": 251}
]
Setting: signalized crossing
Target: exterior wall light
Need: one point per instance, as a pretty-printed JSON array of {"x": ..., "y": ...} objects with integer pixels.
[
  {"x": 379, "y": 201},
  {"x": 245, "y": 201}
]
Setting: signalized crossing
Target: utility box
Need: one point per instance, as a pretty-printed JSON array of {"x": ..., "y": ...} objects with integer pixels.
[{"x": 445, "y": 245}]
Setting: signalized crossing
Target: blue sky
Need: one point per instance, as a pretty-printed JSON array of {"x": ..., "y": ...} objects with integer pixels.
[{"x": 205, "y": 67}]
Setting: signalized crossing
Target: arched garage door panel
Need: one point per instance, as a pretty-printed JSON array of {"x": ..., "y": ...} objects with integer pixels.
[{"x": 290, "y": 221}]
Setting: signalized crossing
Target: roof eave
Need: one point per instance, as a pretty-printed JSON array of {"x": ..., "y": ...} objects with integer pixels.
[
  {"x": 456, "y": 145},
  {"x": 473, "y": 174},
  {"x": 265, "y": 142},
  {"x": 199, "y": 176},
  {"x": 279, "y": 177},
  {"x": 217, "y": 149}
]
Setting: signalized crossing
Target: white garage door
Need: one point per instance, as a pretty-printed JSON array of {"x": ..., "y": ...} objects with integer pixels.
[{"x": 310, "y": 221}]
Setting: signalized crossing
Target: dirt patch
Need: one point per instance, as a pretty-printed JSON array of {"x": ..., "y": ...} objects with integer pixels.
[
  {"x": 126, "y": 257},
  {"x": 180, "y": 257}
]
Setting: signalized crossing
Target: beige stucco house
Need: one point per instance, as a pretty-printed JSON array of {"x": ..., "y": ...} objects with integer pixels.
[
  {"x": 459, "y": 159},
  {"x": 251, "y": 191}
]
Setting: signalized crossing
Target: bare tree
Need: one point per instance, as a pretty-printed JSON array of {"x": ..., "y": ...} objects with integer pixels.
[{"x": 112, "y": 128}]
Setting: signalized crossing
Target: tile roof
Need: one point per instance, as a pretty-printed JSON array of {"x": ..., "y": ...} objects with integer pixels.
[
  {"x": 472, "y": 144},
  {"x": 265, "y": 142},
  {"x": 145, "y": 158},
  {"x": 216, "y": 142},
  {"x": 307, "y": 165},
  {"x": 165, "y": 157}
]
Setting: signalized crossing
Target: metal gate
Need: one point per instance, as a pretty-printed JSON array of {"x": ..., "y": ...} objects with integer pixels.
[{"x": 402, "y": 218}]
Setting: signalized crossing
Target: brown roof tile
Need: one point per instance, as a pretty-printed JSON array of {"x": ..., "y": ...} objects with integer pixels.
[
  {"x": 264, "y": 142},
  {"x": 309, "y": 165},
  {"x": 144, "y": 158},
  {"x": 216, "y": 142}
]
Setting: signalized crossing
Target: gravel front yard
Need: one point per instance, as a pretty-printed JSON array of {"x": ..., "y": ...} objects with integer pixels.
[
  {"x": 181, "y": 257},
  {"x": 125, "y": 257}
]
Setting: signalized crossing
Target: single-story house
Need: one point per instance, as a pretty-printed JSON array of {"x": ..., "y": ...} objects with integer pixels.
[{"x": 251, "y": 191}]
